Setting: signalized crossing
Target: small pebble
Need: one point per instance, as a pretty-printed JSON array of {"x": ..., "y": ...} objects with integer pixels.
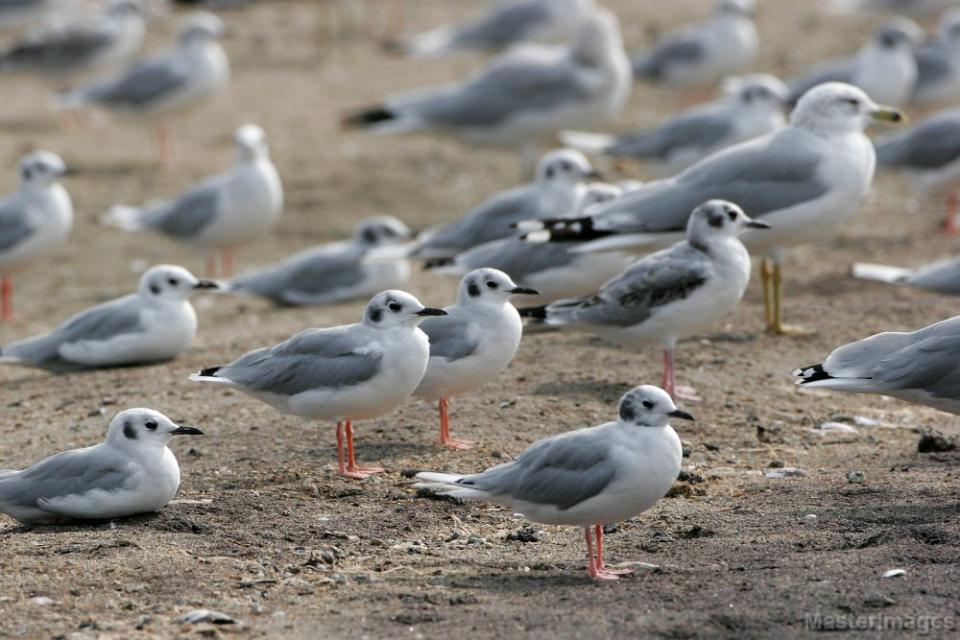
[
  {"x": 856, "y": 477},
  {"x": 787, "y": 472}
]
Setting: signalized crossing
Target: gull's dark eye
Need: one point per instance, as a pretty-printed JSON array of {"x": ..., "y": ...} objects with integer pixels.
[
  {"x": 150, "y": 425},
  {"x": 173, "y": 282},
  {"x": 492, "y": 285},
  {"x": 648, "y": 404},
  {"x": 732, "y": 215},
  {"x": 395, "y": 307},
  {"x": 853, "y": 102}
]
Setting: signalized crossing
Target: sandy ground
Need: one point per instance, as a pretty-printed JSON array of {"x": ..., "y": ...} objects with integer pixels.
[{"x": 264, "y": 532}]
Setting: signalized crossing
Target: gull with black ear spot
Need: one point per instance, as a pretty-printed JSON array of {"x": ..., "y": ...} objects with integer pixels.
[
  {"x": 586, "y": 478},
  {"x": 132, "y": 471},
  {"x": 671, "y": 294},
  {"x": 34, "y": 220},
  {"x": 339, "y": 374},
  {"x": 155, "y": 324},
  {"x": 473, "y": 343}
]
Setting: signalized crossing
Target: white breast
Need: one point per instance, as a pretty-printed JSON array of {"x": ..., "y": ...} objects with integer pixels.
[{"x": 251, "y": 205}]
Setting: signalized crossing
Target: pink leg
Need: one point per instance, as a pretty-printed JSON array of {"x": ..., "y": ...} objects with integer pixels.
[
  {"x": 595, "y": 572},
  {"x": 164, "y": 146},
  {"x": 446, "y": 439},
  {"x": 6, "y": 306},
  {"x": 598, "y": 531},
  {"x": 342, "y": 465},
  {"x": 677, "y": 392},
  {"x": 353, "y": 470},
  {"x": 226, "y": 263},
  {"x": 950, "y": 223}
]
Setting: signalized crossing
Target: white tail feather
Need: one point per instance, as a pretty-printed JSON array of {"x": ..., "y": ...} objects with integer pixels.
[
  {"x": 429, "y": 44},
  {"x": 586, "y": 141},
  {"x": 14, "y": 361},
  {"x": 446, "y": 484},
  {"x": 627, "y": 241},
  {"x": 878, "y": 272},
  {"x": 123, "y": 217}
]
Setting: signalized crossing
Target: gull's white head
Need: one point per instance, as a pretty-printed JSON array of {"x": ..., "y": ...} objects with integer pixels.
[
  {"x": 171, "y": 283},
  {"x": 381, "y": 231},
  {"x": 484, "y": 286},
  {"x": 899, "y": 34},
  {"x": 949, "y": 30},
  {"x": 598, "y": 38},
  {"x": 649, "y": 406},
  {"x": 718, "y": 219},
  {"x": 734, "y": 8},
  {"x": 837, "y": 108},
  {"x": 145, "y": 428},
  {"x": 392, "y": 309},
  {"x": 251, "y": 143},
  {"x": 199, "y": 28},
  {"x": 564, "y": 166},
  {"x": 597, "y": 193},
  {"x": 41, "y": 169},
  {"x": 760, "y": 91}
]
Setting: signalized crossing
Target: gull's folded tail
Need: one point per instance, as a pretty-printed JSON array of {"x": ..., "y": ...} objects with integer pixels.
[
  {"x": 448, "y": 484},
  {"x": 879, "y": 272},
  {"x": 125, "y": 218}
]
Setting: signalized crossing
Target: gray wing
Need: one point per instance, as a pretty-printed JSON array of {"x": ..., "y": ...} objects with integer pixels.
[
  {"x": 449, "y": 337},
  {"x": 14, "y": 226},
  {"x": 517, "y": 258},
  {"x": 931, "y": 144},
  {"x": 504, "y": 91},
  {"x": 563, "y": 471},
  {"x": 58, "y": 49},
  {"x": 650, "y": 283},
  {"x": 942, "y": 277},
  {"x": 703, "y": 131},
  {"x": 313, "y": 359},
  {"x": 838, "y": 70},
  {"x": 933, "y": 66},
  {"x": 67, "y": 473},
  {"x": 490, "y": 220},
  {"x": 190, "y": 214},
  {"x": 98, "y": 323},
  {"x": 762, "y": 176},
  {"x": 147, "y": 82},
  {"x": 655, "y": 64},
  {"x": 307, "y": 276},
  {"x": 504, "y": 26}
]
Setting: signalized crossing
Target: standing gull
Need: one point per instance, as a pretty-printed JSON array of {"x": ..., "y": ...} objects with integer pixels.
[
  {"x": 505, "y": 25},
  {"x": 346, "y": 373},
  {"x": 223, "y": 211},
  {"x": 333, "y": 272},
  {"x": 473, "y": 344},
  {"x": 165, "y": 84},
  {"x": 132, "y": 471},
  {"x": 153, "y": 325},
  {"x": 556, "y": 189},
  {"x": 938, "y": 63},
  {"x": 586, "y": 478},
  {"x": 671, "y": 294},
  {"x": 918, "y": 366},
  {"x": 521, "y": 97},
  {"x": 885, "y": 67},
  {"x": 805, "y": 180},
  {"x": 751, "y": 106},
  {"x": 701, "y": 54},
  {"x": 35, "y": 220}
]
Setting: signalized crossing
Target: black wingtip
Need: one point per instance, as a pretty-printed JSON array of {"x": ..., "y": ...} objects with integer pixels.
[
  {"x": 534, "y": 313},
  {"x": 436, "y": 263},
  {"x": 210, "y": 372},
  {"x": 573, "y": 229},
  {"x": 813, "y": 373},
  {"x": 367, "y": 117}
]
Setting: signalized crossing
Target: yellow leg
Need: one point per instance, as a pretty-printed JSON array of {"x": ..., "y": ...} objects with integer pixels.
[
  {"x": 765, "y": 278},
  {"x": 778, "y": 327}
]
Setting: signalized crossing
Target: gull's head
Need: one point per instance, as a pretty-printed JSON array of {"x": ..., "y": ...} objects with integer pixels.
[
  {"x": 489, "y": 286},
  {"x": 598, "y": 193},
  {"x": 564, "y": 166},
  {"x": 200, "y": 27},
  {"x": 170, "y": 282},
  {"x": 837, "y": 107},
  {"x": 734, "y": 8},
  {"x": 381, "y": 231},
  {"x": 760, "y": 91},
  {"x": 649, "y": 406},
  {"x": 949, "y": 29},
  {"x": 392, "y": 309},
  {"x": 598, "y": 37},
  {"x": 251, "y": 142},
  {"x": 145, "y": 428},
  {"x": 719, "y": 218},
  {"x": 898, "y": 34},
  {"x": 41, "y": 169}
]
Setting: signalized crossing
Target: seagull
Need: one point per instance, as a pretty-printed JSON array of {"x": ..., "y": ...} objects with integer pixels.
[
  {"x": 929, "y": 153},
  {"x": 805, "y": 180},
  {"x": 473, "y": 343},
  {"x": 914, "y": 7},
  {"x": 938, "y": 63},
  {"x": 917, "y": 366},
  {"x": 155, "y": 324},
  {"x": 221, "y": 212},
  {"x": 505, "y": 25},
  {"x": 942, "y": 276},
  {"x": 132, "y": 471},
  {"x": 34, "y": 220},
  {"x": 343, "y": 374},
  {"x": 672, "y": 294},
  {"x": 751, "y": 106},
  {"x": 556, "y": 189},
  {"x": 701, "y": 54},
  {"x": 885, "y": 67},
  {"x": 87, "y": 43},
  {"x": 161, "y": 85},
  {"x": 588, "y": 477},
  {"x": 553, "y": 269},
  {"x": 333, "y": 272},
  {"x": 522, "y": 96}
]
